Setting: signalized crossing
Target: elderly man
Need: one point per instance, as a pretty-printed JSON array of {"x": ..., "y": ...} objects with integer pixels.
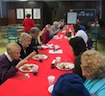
[
  {"x": 54, "y": 28},
  {"x": 34, "y": 45},
  {"x": 10, "y": 62}
]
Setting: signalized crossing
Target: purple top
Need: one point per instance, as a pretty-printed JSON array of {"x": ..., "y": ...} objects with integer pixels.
[
  {"x": 7, "y": 68},
  {"x": 45, "y": 37}
]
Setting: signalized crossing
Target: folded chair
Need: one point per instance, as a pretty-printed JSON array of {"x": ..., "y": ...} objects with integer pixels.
[
  {"x": 12, "y": 35},
  {"x": 94, "y": 37}
]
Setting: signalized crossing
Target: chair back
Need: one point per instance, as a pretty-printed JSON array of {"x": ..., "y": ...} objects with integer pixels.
[
  {"x": 94, "y": 37},
  {"x": 12, "y": 35},
  {"x": 95, "y": 34}
]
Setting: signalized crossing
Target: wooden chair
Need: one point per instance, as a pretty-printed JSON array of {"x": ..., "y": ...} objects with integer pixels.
[{"x": 12, "y": 35}]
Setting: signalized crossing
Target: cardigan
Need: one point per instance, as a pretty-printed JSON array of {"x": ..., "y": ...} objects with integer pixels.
[
  {"x": 96, "y": 86},
  {"x": 7, "y": 68},
  {"x": 23, "y": 52}
]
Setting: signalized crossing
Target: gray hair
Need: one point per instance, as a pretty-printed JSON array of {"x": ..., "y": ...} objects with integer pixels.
[
  {"x": 34, "y": 30},
  {"x": 55, "y": 22},
  {"x": 12, "y": 47}
]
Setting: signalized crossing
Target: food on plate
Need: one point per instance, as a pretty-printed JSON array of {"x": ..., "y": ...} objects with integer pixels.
[
  {"x": 40, "y": 56},
  {"x": 26, "y": 68},
  {"x": 65, "y": 66},
  {"x": 36, "y": 57}
]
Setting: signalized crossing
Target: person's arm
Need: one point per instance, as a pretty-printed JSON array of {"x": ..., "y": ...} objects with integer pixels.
[
  {"x": 30, "y": 55},
  {"x": 22, "y": 62}
]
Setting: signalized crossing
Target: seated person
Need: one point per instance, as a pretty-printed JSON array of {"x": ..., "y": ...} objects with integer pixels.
[
  {"x": 93, "y": 68},
  {"x": 69, "y": 85},
  {"x": 45, "y": 37},
  {"x": 61, "y": 24},
  {"x": 34, "y": 46},
  {"x": 81, "y": 33},
  {"x": 82, "y": 25},
  {"x": 54, "y": 28},
  {"x": 10, "y": 62},
  {"x": 79, "y": 46},
  {"x": 24, "y": 42}
]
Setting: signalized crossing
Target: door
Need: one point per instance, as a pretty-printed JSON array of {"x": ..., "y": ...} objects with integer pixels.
[{"x": 11, "y": 16}]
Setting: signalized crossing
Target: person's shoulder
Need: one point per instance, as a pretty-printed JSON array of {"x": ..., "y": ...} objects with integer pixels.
[
  {"x": 52, "y": 26},
  {"x": 2, "y": 56},
  {"x": 81, "y": 31}
]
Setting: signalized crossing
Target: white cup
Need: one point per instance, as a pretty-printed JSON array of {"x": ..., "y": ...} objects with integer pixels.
[
  {"x": 51, "y": 80},
  {"x": 58, "y": 59},
  {"x": 35, "y": 69},
  {"x": 56, "y": 47}
]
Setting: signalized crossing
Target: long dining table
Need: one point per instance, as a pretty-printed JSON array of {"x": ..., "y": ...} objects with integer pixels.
[{"x": 37, "y": 85}]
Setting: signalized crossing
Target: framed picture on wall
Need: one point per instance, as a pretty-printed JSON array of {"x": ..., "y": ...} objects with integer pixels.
[
  {"x": 36, "y": 13},
  {"x": 28, "y": 11},
  {"x": 19, "y": 13},
  {"x": 71, "y": 17}
]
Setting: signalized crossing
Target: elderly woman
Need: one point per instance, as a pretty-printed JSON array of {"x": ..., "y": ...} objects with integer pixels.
[
  {"x": 79, "y": 46},
  {"x": 45, "y": 37},
  {"x": 93, "y": 68},
  {"x": 25, "y": 40}
]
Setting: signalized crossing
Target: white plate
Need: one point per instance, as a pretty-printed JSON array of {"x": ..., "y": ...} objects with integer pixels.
[
  {"x": 27, "y": 67},
  {"x": 44, "y": 46},
  {"x": 40, "y": 56},
  {"x": 65, "y": 65},
  {"x": 50, "y": 88},
  {"x": 56, "y": 37}
]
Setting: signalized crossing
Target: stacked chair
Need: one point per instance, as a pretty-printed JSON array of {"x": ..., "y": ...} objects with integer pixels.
[
  {"x": 94, "y": 37},
  {"x": 12, "y": 35}
]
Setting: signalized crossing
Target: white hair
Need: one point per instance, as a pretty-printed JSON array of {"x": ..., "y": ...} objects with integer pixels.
[{"x": 55, "y": 22}]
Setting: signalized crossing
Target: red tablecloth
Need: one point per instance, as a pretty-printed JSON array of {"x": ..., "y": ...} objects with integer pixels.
[{"x": 38, "y": 85}]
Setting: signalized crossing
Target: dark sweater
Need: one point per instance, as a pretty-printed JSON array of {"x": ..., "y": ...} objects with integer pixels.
[
  {"x": 33, "y": 46},
  {"x": 77, "y": 69},
  {"x": 7, "y": 68},
  {"x": 22, "y": 53}
]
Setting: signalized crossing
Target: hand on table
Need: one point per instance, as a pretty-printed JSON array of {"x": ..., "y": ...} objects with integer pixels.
[
  {"x": 22, "y": 62},
  {"x": 39, "y": 47}
]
